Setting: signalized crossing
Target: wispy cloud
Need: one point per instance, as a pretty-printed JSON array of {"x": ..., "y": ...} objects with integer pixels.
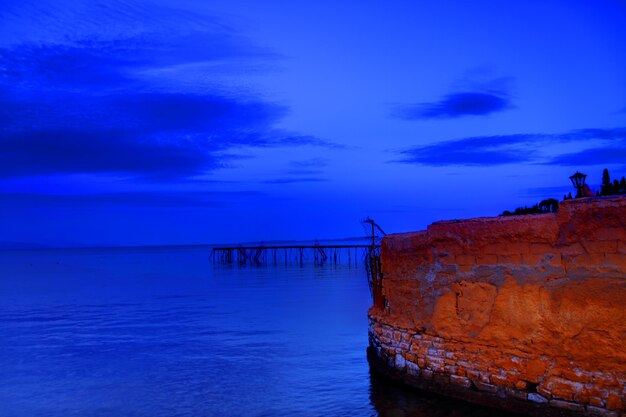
[
  {"x": 480, "y": 150},
  {"x": 307, "y": 167},
  {"x": 521, "y": 148},
  {"x": 307, "y": 140},
  {"x": 83, "y": 98},
  {"x": 303, "y": 171},
  {"x": 152, "y": 199},
  {"x": 294, "y": 180},
  {"x": 594, "y": 156},
  {"x": 310, "y": 163}
]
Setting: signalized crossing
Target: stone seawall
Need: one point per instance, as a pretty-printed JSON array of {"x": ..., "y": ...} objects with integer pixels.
[{"x": 526, "y": 312}]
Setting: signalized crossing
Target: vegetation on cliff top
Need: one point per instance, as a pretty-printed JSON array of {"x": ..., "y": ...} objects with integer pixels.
[{"x": 551, "y": 205}]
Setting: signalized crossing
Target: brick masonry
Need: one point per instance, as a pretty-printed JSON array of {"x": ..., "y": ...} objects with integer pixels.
[{"x": 525, "y": 312}]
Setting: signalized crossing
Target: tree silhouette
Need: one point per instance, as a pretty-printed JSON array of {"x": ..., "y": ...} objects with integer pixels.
[
  {"x": 612, "y": 187},
  {"x": 606, "y": 187}
]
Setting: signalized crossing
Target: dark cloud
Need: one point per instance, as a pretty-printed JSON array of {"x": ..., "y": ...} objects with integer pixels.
[
  {"x": 147, "y": 134},
  {"x": 455, "y": 105},
  {"x": 481, "y": 150},
  {"x": 140, "y": 113},
  {"x": 521, "y": 148},
  {"x": 41, "y": 152},
  {"x": 84, "y": 108},
  {"x": 615, "y": 134},
  {"x": 595, "y": 156},
  {"x": 612, "y": 151}
]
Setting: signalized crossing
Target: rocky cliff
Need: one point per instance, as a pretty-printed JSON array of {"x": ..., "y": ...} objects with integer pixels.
[{"x": 523, "y": 312}]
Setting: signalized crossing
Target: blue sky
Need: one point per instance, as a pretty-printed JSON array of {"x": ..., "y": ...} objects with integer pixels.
[{"x": 164, "y": 122}]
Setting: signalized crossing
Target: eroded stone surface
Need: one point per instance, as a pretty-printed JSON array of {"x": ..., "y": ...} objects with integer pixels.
[{"x": 531, "y": 305}]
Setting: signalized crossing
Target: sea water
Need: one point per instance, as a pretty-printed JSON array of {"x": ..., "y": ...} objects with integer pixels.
[{"x": 165, "y": 332}]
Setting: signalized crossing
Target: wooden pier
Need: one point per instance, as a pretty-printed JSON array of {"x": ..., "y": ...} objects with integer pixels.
[
  {"x": 351, "y": 255},
  {"x": 278, "y": 254}
]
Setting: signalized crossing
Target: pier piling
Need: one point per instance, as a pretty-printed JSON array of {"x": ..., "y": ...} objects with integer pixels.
[{"x": 260, "y": 255}]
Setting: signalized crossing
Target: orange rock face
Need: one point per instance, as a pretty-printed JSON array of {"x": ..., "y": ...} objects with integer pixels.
[{"x": 529, "y": 308}]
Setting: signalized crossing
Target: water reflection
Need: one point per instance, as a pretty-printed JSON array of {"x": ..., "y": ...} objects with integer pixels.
[{"x": 391, "y": 399}]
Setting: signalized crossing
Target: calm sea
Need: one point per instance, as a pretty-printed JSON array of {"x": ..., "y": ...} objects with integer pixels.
[{"x": 164, "y": 332}]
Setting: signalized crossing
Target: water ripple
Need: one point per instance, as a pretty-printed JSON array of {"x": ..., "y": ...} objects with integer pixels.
[{"x": 152, "y": 335}]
